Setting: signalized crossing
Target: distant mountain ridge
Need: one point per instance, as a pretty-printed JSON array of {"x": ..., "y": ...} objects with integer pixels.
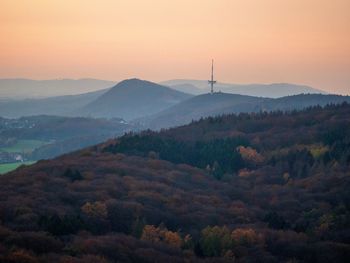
[
  {"x": 156, "y": 106},
  {"x": 188, "y": 88},
  {"x": 29, "y": 88},
  {"x": 61, "y": 105},
  {"x": 128, "y": 99},
  {"x": 133, "y": 98},
  {"x": 274, "y": 90}
]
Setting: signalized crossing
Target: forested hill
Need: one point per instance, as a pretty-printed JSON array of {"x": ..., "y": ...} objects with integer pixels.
[
  {"x": 244, "y": 188},
  {"x": 214, "y": 139}
]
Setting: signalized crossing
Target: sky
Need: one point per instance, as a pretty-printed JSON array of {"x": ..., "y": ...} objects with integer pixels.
[{"x": 260, "y": 41}]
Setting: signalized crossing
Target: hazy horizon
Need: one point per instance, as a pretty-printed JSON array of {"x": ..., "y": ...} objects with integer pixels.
[
  {"x": 23, "y": 88},
  {"x": 263, "y": 41}
]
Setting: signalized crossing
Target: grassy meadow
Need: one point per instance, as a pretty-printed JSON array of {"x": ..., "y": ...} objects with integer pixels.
[{"x": 8, "y": 167}]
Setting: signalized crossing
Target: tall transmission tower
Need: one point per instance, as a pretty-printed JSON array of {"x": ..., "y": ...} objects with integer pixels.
[{"x": 212, "y": 81}]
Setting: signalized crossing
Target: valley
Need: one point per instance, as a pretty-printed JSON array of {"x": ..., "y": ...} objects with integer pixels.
[{"x": 28, "y": 139}]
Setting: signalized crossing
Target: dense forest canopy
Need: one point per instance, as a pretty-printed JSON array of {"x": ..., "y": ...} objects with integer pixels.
[{"x": 262, "y": 187}]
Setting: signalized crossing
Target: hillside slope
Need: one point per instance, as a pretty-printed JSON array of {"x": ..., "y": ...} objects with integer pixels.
[
  {"x": 224, "y": 103},
  {"x": 254, "y": 187}
]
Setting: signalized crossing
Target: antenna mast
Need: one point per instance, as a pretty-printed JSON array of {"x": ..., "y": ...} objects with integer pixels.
[{"x": 212, "y": 81}]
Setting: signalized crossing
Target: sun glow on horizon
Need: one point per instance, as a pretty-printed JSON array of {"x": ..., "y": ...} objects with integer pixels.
[{"x": 299, "y": 41}]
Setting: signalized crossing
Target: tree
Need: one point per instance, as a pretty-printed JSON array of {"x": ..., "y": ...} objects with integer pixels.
[
  {"x": 217, "y": 170},
  {"x": 275, "y": 220},
  {"x": 73, "y": 175},
  {"x": 161, "y": 235},
  {"x": 215, "y": 241},
  {"x": 97, "y": 209},
  {"x": 244, "y": 236}
]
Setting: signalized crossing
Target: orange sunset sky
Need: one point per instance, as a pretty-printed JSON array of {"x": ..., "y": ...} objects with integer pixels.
[{"x": 260, "y": 41}]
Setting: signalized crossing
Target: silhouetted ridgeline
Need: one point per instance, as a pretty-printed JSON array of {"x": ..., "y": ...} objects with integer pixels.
[
  {"x": 273, "y": 90},
  {"x": 155, "y": 106},
  {"x": 249, "y": 187}
]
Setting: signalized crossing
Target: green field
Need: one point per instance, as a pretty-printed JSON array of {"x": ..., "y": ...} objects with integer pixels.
[
  {"x": 24, "y": 146},
  {"x": 8, "y": 167}
]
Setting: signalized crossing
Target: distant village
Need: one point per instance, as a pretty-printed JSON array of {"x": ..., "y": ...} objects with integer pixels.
[
  {"x": 6, "y": 141},
  {"x": 10, "y": 157}
]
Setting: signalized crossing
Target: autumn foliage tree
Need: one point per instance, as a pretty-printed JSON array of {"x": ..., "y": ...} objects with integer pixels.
[
  {"x": 161, "y": 235},
  {"x": 96, "y": 209}
]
